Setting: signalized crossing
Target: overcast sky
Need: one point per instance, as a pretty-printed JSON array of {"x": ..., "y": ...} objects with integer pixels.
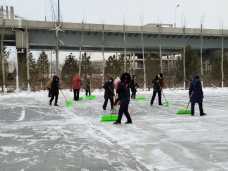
[{"x": 189, "y": 13}]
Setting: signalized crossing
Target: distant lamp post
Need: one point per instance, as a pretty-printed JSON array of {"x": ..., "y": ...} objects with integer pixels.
[{"x": 175, "y": 16}]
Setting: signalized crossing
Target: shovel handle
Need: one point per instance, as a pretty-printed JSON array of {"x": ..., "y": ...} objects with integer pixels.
[
  {"x": 63, "y": 95},
  {"x": 189, "y": 100}
]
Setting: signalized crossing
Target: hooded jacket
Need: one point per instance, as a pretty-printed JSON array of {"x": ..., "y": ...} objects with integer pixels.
[
  {"x": 55, "y": 85},
  {"x": 123, "y": 88},
  {"x": 76, "y": 82},
  {"x": 158, "y": 83},
  {"x": 109, "y": 89},
  {"x": 196, "y": 89}
]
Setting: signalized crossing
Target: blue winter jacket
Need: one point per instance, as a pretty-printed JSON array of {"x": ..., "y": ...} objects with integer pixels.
[{"x": 196, "y": 89}]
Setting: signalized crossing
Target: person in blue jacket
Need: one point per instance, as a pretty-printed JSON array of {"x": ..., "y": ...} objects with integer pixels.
[{"x": 196, "y": 95}]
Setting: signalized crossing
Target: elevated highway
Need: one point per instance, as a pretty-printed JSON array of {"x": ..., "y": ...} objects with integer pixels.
[{"x": 172, "y": 39}]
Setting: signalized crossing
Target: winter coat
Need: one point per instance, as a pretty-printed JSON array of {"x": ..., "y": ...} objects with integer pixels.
[
  {"x": 123, "y": 88},
  {"x": 76, "y": 82},
  {"x": 133, "y": 84},
  {"x": 158, "y": 83},
  {"x": 196, "y": 88},
  {"x": 55, "y": 86},
  {"x": 116, "y": 81},
  {"x": 87, "y": 84},
  {"x": 109, "y": 89},
  {"x": 48, "y": 85}
]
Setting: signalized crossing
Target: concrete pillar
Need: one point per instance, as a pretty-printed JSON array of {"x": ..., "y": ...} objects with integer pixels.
[
  {"x": 7, "y": 12},
  {"x": 11, "y": 12}
]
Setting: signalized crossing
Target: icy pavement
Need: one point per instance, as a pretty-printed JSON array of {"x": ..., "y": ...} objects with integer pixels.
[{"x": 35, "y": 136}]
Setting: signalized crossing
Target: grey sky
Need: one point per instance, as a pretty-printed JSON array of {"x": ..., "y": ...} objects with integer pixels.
[{"x": 189, "y": 12}]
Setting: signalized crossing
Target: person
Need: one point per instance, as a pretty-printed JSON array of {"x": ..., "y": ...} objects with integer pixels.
[
  {"x": 87, "y": 85},
  {"x": 124, "y": 97},
  {"x": 48, "y": 86},
  {"x": 133, "y": 86},
  {"x": 109, "y": 93},
  {"x": 157, "y": 88},
  {"x": 196, "y": 95},
  {"x": 76, "y": 84},
  {"x": 55, "y": 90},
  {"x": 116, "y": 82}
]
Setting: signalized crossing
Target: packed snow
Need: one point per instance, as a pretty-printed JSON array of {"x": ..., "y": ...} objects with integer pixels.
[{"x": 36, "y": 136}]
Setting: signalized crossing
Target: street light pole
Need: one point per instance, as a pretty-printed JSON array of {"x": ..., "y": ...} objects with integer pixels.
[
  {"x": 58, "y": 12},
  {"x": 175, "y": 16},
  {"x": 201, "y": 50}
]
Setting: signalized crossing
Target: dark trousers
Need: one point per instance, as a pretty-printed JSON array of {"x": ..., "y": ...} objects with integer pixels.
[
  {"x": 124, "y": 109},
  {"x": 106, "y": 102},
  {"x": 76, "y": 94},
  {"x": 154, "y": 95},
  {"x": 56, "y": 98},
  {"x": 88, "y": 91},
  {"x": 133, "y": 95},
  {"x": 49, "y": 92},
  {"x": 200, "y": 108}
]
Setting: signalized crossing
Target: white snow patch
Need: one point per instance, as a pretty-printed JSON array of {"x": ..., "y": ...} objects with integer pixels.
[{"x": 22, "y": 115}]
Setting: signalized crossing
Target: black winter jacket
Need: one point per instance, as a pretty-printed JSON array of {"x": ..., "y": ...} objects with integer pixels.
[
  {"x": 109, "y": 90},
  {"x": 156, "y": 86},
  {"x": 133, "y": 84},
  {"x": 123, "y": 91},
  {"x": 55, "y": 86}
]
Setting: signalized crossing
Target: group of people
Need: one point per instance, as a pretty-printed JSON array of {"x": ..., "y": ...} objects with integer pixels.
[
  {"x": 53, "y": 87},
  {"x": 122, "y": 96}
]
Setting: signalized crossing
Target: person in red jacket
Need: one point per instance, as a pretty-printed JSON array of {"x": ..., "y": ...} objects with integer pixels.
[{"x": 76, "y": 84}]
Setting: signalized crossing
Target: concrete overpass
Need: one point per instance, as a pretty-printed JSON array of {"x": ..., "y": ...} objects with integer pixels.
[{"x": 172, "y": 39}]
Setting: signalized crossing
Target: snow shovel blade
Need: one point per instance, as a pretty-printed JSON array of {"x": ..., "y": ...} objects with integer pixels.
[
  {"x": 90, "y": 97},
  {"x": 68, "y": 104},
  {"x": 109, "y": 118},
  {"x": 167, "y": 103},
  {"x": 140, "y": 99},
  {"x": 80, "y": 98},
  {"x": 184, "y": 112}
]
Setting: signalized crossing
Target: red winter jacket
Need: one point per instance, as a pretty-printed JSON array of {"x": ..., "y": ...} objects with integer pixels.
[
  {"x": 161, "y": 82},
  {"x": 76, "y": 82}
]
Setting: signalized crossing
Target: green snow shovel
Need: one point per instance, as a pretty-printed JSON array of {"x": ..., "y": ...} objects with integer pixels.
[
  {"x": 80, "y": 98},
  {"x": 140, "y": 98},
  {"x": 91, "y": 97},
  {"x": 68, "y": 104},
  {"x": 185, "y": 111}
]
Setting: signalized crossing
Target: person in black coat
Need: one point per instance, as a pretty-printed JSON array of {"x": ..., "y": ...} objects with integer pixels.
[
  {"x": 196, "y": 95},
  {"x": 133, "y": 84},
  {"x": 55, "y": 90},
  {"x": 157, "y": 88},
  {"x": 124, "y": 98},
  {"x": 109, "y": 93}
]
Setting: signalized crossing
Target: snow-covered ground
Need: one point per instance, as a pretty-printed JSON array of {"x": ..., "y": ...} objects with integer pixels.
[{"x": 35, "y": 136}]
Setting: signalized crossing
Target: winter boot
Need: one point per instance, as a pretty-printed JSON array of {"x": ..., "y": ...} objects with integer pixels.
[
  {"x": 203, "y": 114},
  {"x": 56, "y": 104},
  {"x": 117, "y": 123},
  {"x": 50, "y": 103}
]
